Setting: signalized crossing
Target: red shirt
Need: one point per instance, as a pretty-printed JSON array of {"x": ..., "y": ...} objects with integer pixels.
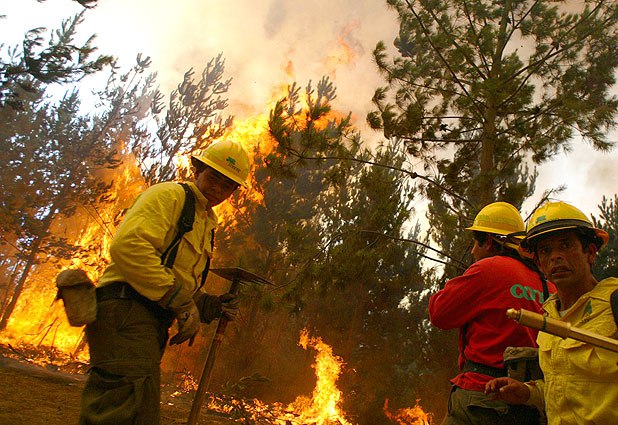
[{"x": 479, "y": 299}]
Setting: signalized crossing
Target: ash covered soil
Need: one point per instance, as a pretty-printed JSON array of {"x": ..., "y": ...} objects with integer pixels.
[{"x": 37, "y": 395}]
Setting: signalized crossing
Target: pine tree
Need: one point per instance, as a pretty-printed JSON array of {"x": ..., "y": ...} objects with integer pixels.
[
  {"x": 329, "y": 234},
  {"x": 57, "y": 156},
  {"x": 606, "y": 263},
  {"x": 190, "y": 122},
  {"x": 476, "y": 89},
  {"x": 29, "y": 68}
]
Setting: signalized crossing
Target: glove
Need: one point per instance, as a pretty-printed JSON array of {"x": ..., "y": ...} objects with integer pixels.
[
  {"x": 213, "y": 306},
  {"x": 230, "y": 306},
  {"x": 186, "y": 314}
]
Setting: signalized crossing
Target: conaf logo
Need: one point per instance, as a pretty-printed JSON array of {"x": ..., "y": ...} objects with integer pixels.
[
  {"x": 541, "y": 218},
  {"x": 528, "y": 293},
  {"x": 232, "y": 162}
]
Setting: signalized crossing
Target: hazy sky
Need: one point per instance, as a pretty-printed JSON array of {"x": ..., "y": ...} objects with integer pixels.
[{"x": 271, "y": 43}]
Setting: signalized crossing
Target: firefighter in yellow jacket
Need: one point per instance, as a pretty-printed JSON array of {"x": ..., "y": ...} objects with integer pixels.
[
  {"x": 138, "y": 297},
  {"x": 580, "y": 384}
]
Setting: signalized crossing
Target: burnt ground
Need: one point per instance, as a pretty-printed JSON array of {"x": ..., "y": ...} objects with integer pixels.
[{"x": 37, "y": 395}]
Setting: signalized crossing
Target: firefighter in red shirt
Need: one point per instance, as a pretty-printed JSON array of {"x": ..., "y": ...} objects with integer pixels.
[{"x": 476, "y": 303}]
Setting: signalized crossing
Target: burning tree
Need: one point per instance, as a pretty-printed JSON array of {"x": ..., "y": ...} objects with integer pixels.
[
  {"x": 70, "y": 174},
  {"x": 57, "y": 156},
  {"x": 606, "y": 263},
  {"x": 319, "y": 232}
]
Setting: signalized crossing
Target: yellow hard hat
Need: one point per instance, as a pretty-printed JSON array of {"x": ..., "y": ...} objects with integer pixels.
[
  {"x": 554, "y": 216},
  {"x": 499, "y": 218},
  {"x": 227, "y": 157}
]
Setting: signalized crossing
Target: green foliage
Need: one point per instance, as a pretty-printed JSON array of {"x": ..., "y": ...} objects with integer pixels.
[
  {"x": 27, "y": 69},
  {"x": 191, "y": 121},
  {"x": 606, "y": 263},
  {"x": 477, "y": 89}
]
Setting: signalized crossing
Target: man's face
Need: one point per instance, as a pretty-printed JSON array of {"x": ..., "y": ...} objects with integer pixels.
[
  {"x": 215, "y": 186},
  {"x": 562, "y": 259}
]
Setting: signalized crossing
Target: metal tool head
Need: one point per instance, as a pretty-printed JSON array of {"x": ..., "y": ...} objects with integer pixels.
[{"x": 241, "y": 276}]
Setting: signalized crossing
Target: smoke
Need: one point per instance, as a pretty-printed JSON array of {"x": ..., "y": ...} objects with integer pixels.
[
  {"x": 587, "y": 175},
  {"x": 275, "y": 18}
]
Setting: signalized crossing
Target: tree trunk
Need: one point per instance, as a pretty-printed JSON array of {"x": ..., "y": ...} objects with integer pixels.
[
  {"x": 19, "y": 286},
  {"x": 30, "y": 262},
  {"x": 487, "y": 186}
]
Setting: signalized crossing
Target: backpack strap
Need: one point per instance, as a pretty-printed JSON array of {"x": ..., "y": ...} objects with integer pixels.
[
  {"x": 207, "y": 266},
  {"x": 613, "y": 300},
  {"x": 546, "y": 293},
  {"x": 185, "y": 224}
]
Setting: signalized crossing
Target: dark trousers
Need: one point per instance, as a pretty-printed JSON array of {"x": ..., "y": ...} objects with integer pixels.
[
  {"x": 126, "y": 345},
  {"x": 467, "y": 407}
]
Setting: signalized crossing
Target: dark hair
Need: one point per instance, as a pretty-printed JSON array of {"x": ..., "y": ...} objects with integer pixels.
[
  {"x": 199, "y": 167},
  {"x": 480, "y": 237},
  {"x": 586, "y": 237},
  {"x": 498, "y": 242}
]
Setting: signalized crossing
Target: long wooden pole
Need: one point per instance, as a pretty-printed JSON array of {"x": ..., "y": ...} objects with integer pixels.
[
  {"x": 204, "y": 383},
  {"x": 561, "y": 329}
]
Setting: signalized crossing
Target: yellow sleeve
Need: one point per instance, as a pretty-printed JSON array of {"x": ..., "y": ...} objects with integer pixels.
[{"x": 147, "y": 229}]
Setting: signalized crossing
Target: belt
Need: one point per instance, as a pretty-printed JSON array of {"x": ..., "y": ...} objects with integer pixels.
[
  {"x": 470, "y": 366},
  {"x": 124, "y": 291}
]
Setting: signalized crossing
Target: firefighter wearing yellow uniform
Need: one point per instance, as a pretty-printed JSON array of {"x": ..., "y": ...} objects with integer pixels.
[
  {"x": 580, "y": 384},
  {"x": 138, "y": 297}
]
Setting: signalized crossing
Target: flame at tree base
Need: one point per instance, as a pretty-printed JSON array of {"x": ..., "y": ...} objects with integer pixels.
[
  {"x": 408, "y": 415},
  {"x": 323, "y": 408}
]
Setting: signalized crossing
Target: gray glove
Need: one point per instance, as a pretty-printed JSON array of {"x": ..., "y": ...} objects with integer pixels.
[
  {"x": 230, "y": 306},
  {"x": 186, "y": 314},
  {"x": 213, "y": 306}
]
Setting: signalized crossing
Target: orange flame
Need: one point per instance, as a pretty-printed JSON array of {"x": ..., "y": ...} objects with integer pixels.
[
  {"x": 408, "y": 415},
  {"x": 323, "y": 407},
  {"x": 38, "y": 320},
  {"x": 346, "y": 51}
]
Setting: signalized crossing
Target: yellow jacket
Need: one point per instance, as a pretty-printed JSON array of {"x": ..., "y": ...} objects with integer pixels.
[
  {"x": 580, "y": 383},
  {"x": 146, "y": 231}
]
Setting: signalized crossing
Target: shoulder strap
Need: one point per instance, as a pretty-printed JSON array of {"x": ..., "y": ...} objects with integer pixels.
[
  {"x": 185, "y": 224},
  {"x": 546, "y": 293},
  {"x": 207, "y": 266},
  {"x": 613, "y": 300}
]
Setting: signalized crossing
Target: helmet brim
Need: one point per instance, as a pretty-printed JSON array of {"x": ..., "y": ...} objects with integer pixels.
[
  {"x": 493, "y": 231},
  {"x": 526, "y": 242},
  {"x": 226, "y": 173}
]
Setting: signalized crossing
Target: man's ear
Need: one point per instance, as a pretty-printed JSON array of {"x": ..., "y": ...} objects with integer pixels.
[
  {"x": 491, "y": 245},
  {"x": 591, "y": 253}
]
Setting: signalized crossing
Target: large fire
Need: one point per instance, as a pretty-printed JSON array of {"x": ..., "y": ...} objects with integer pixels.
[
  {"x": 38, "y": 320},
  {"x": 323, "y": 408}
]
